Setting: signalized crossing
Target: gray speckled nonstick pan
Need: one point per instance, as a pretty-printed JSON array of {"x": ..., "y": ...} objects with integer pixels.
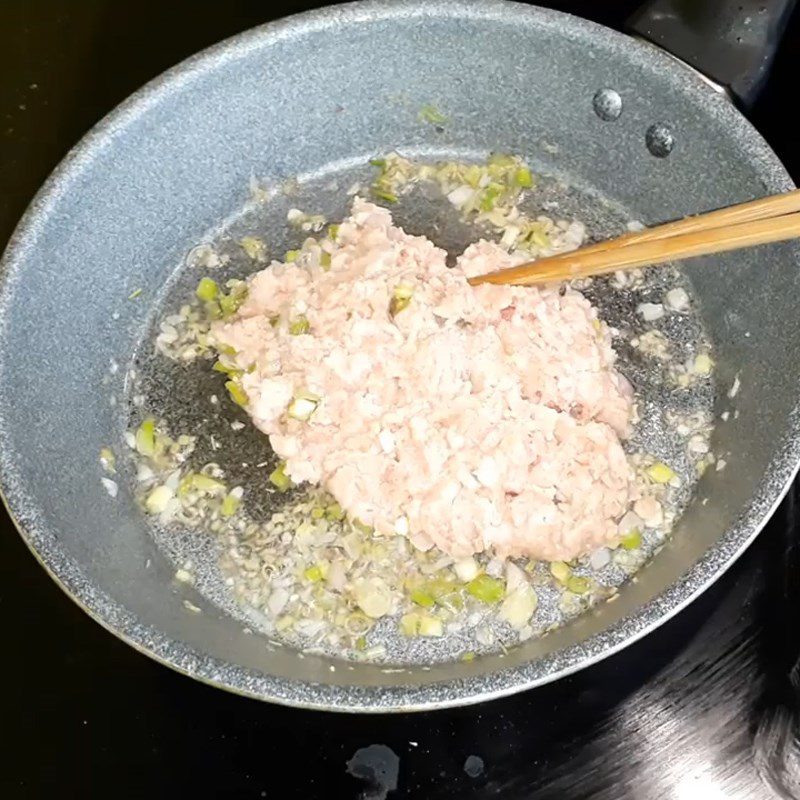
[{"x": 316, "y": 96}]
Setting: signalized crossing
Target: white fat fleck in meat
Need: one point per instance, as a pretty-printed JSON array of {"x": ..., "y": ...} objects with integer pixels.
[{"x": 472, "y": 419}]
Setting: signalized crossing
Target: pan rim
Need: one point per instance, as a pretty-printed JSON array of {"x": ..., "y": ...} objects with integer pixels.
[{"x": 180, "y": 656}]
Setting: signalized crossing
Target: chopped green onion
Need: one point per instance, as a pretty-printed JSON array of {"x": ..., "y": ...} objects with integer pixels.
[
  {"x": 291, "y": 256},
  {"x": 468, "y": 657},
  {"x": 578, "y": 585},
  {"x": 279, "y": 479},
  {"x": 486, "y": 589},
  {"x": 238, "y": 395},
  {"x": 632, "y": 540},
  {"x": 333, "y": 232},
  {"x": 146, "y": 437},
  {"x": 378, "y": 162},
  {"x": 299, "y": 326},
  {"x": 325, "y": 260},
  {"x": 207, "y": 290},
  {"x": 317, "y": 513},
  {"x": 134, "y": 294},
  {"x": 660, "y": 473},
  {"x": 361, "y": 643},
  {"x": 560, "y": 571}
]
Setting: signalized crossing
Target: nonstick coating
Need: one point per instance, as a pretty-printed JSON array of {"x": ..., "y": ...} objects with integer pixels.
[{"x": 315, "y": 94}]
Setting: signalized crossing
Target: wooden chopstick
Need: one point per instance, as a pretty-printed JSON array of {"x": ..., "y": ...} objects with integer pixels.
[{"x": 756, "y": 222}]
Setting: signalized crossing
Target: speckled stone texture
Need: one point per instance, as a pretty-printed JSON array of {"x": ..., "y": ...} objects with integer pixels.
[{"x": 303, "y": 96}]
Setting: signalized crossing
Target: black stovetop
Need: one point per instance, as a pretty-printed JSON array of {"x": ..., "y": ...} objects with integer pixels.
[{"x": 705, "y": 707}]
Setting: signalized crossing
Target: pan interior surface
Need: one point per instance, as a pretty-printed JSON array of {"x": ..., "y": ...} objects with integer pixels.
[{"x": 159, "y": 176}]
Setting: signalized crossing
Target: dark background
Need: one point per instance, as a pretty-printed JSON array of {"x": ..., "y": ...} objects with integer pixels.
[{"x": 704, "y": 707}]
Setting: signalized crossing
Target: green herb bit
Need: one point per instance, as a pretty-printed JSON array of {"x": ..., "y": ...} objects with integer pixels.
[
  {"x": 299, "y": 327},
  {"x": 231, "y": 302},
  {"x": 198, "y": 482},
  {"x": 383, "y": 194},
  {"x": 378, "y": 162},
  {"x": 291, "y": 256},
  {"x": 134, "y": 294},
  {"x": 325, "y": 260},
  {"x": 333, "y": 232},
  {"x": 523, "y": 178},
  {"x": 279, "y": 479},
  {"x": 334, "y": 512},
  {"x": 489, "y": 197},
  {"x": 429, "y": 113},
  {"x": 423, "y": 598},
  {"x": 230, "y": 505},
  {"x": 486, "y": 589},
  {"x": 314, "y": 574}
]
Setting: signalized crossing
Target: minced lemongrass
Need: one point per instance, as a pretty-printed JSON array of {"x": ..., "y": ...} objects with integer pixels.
[
  {"x": 560, "y": 571},
  {"x": 314, "y": 573},
  {"x": 207, "y": 290},
  {"x": 430, "y": 626},
  {"x": 108, "y": 460},
  {"x": 518, "y": 607},
  {"x": 299, "y": 326},
  {"x": 146, "y": 438},
  {"x": 632, "y": 540},
  {"x": 198, "y": 482},
  {"x": 660, "y": 472},
  {"x": 230, "y": 505},
  {"x": 255, "y": 248},
  {"x": 238, "y": 395},
  {"x": 158, "y": 499},
  {"x": 279, "y": 479},
  {"x": 486, "y": 589},
  {"x": 303, "y": 406},
  {"x": 703, "y": 364},
  {"x": 466, "y": 569}
]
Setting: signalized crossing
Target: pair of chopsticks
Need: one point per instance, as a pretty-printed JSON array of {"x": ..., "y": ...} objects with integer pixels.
[{"x": 769, "y": 219}]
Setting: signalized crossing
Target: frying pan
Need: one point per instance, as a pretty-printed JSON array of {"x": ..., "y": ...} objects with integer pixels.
[{"x": 316, "y": 95}]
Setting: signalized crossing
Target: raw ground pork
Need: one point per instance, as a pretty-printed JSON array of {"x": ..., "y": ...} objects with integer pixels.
[{"x": 475, "y": 419}]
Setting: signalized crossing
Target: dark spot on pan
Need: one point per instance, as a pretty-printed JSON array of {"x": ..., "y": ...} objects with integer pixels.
[
  {"x": 607, "y": 104},
  {"x": 659, "y": 139}
]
